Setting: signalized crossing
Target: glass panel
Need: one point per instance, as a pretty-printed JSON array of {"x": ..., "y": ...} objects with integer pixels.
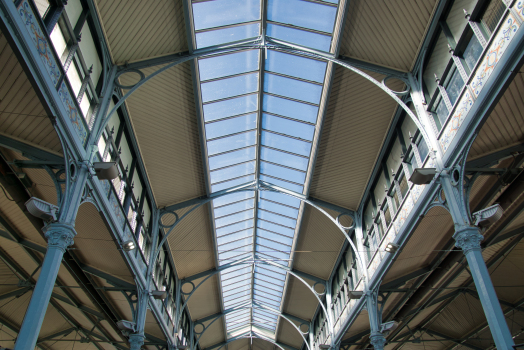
[
  {"x": 302, "y": 14},
  {"x": 233, "y": 272},
  {"x": 292, "y": 88},
  {"x": 234, "y": 236},
  {"x": 291, "y": 109},
  {"x": 266, "y": 301},
  {"x": 232, "y": 142},
  {"x": 265, "y": 284},
  {"x": 234, "y": 228},
  {"x": 277, "y": 219},
  {"x": 224, "y": 65},
  {"x": 236, "y": 182},
  {"x": 285, "y": 143},
  {"x": 442, "y": 111},
  {"x": 226, "y": 35},
  {"x": 273, "y": 245},
  {"x": 454, "y": 86},
  {"x": 472, "y": 52},
  {"x": 235, "y": 157},
  {"x": 231, "y": 126},
  {"x": 275, "y": 228},
  {"x": 229, "y": 108},
  {"x": 267, "y": 292},
  {"x": 233, "y": 208},
  {"x": 230, "y": 219},
  {"x": 283, "y": 184},
  {"x": 281, "y": 198},
  {"x": 288, "y": 127},
  {"x": 277, "y": 208},
  {"x": 282, "y": 173},
  {"x": 209, "y": 14},
  {"x": 274, "y": 237},
  {"x": 313, "y": 40},
  {"x": 282, "y": 158},
  {"x": 229, "y": 87},
  {"x": 295, "y": 66},
  {"x": 232, "y": 172},
  {"x": 233, "y": 197}
]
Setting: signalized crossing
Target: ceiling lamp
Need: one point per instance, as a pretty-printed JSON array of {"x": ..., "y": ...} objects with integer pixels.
[
  {"x": 391, "y": 247},
  {"x": 41, "y": 209},
  {"x": 422, "y": 176},
  {"x": 128, "y": 245},
  {"x": 159, "y": 294},
  {"x": 106, "y": 170}
]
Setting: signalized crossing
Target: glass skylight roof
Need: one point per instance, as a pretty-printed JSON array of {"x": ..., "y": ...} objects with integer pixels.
[{"x": 260, "y": 114}]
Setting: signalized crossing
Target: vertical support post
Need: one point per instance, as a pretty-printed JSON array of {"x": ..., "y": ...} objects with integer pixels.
[
  {"x": 329, "y": 307},
  {"x": 444, "y": 94},
  {"x": 376, "y": 337},
  {"x": 53, "y": 14},
  {"x": 137, "y": 339},
  {"x": 476, "y": 30},
  {"x": 59, "y": 236},
  {"x": 71, "y": 53},
  {"x": 83, "y": 88}
]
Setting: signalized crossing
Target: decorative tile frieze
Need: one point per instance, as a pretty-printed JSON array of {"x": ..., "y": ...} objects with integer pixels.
[{"x": 72, "y": 111}]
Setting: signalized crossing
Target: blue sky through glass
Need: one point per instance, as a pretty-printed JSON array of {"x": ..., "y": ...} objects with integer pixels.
[{"x": 260, "y": 111}]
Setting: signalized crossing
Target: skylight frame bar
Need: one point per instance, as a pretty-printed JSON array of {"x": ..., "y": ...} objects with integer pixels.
[
  {"x": 284, "y": 151},
  {"x": 211, "y": 29},
  {"x": 233, "y": 178},
  {"x": 283, "y": 166},
  {"x": 290, "y": 182},
  {"x": 257, "y": 288},
  {"x": 291, "y": 137},
  {"x": 290, "y": 99},
  {"x": 289, "y": 118},
  {"x": 293, "y": 77},
  {"x": 230, "y": 166},
  {"x": 230, "y": 76},
  {"x": 233, "y": 134},
  {"x": 230, "y": 117},
  {"x": 272, "y": 212},
  {"x": 231, "y": 203},
  {"x": 231, "y": 98},
  {"x": 279, "y": 203},
  {"x": 314, "y": 31},
  {"x": 274, "y": 223},
  {"x": 236, "y": 212},
  {"x": 287, "y": 245},
  {"x": 233, "y": 150}
]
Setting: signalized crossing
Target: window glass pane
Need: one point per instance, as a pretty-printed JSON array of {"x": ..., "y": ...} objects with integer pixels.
[
  {"x": 292, "y": 88},
  {"x": 288, "y": 127},
  {"x": 231, "y": 126},
  {"x": 275, "y": 228},
  {"x": 231, "y": 158},
  {"x": 209, "y": 14},
  {"x": 266, "y": 302},
  {"x": 285, "y": 143},
  {"x": 273, "y": 245},
  {"x": 241, "y": 226},
  {"x": 234, "y": 236},
  {"x": 284, "y": 184},
  {"x": 472, "y": 52},
  {"x": 232, "y": 142},
  {"x": 236, "y": 182},
  {"x": 442, "y": 112},
  {"x": 282, "y": 173},
  {"x": 224, "y": 65},
  {"x": 291, "y": 109},
  {"x": 455, "y": 85},
  {"x": 284, "y": 158},
  {"x": 276, "y": 218},
  {"x": 295, "y": 66},
  {"x": 233, "y": 208},
  {"x": 281, "y": 198},
  {"x": 278, "y": 208},
  {"x": 230, "y": 219},
  {"x": 226, "y": 35},
  {"x": 302, "y": 14},
  {"x": 224, "y": 88},
  {"x": 232, "y": 272},
  {"x": 313, "y": 40},
  {"x": 229, "y": 108},
  {"x": 274, "y": 237},
  {"x": 232, "y": 172},
  {"x": 265, "y": 284},
  {"x": 233, "y": 197}
]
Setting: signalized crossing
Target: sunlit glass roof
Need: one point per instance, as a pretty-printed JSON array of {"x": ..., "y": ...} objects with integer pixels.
[{"x": 260, "y": 115}]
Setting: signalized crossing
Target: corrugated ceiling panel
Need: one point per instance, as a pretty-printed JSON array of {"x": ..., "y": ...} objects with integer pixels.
[
  {"x": 238, "y": 344},
  {"x": 510, "y": 273},
  {"x": 205, "y": 300},
  {"x": 152, "y": 327},
  {"x": 361, "y": 324},
  {"x": 289, "y": 334},
  {"x": 299, "y": 300},
  {"x": 21, "y": 113},
  {"x": 191, "y": 244},
  {"x": 138, "y": 30},
  {"x": 422, "y": 247},
  {"x": 505, "y": 125},
  {"x": 213, "y": 335},
  {"x": 319, "y": 244},
  {"x": 355, "y": 125},
  {"x": 259, "y": 344},
  {"x": 384, "y": 32},
  {"x": 164, "y": 120}
]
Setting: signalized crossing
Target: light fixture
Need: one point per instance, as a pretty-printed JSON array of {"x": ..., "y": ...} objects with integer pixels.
[
  {"x": 388, "y": 327},
  {"x": 422, "y": 176},
  {"x": 126, "y": 325},
  {"x": 488, "y": 216},
  {"x": 159, "y": 294},
  {"x": 41, "y": 209},
  {"x": 106, "y": 170},
  {"x": 128, "y": 245},
  {"x": 391, "y": 247},
  {"x": 355, "y": 294}
]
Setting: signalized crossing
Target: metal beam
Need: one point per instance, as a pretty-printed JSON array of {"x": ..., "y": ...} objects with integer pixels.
[
  {"x": 374, "y": 67},
  {"x": 332, "y": 206},
  {"x": 15, "y": 293},
  {"x": 397, "y": 282},
  {"x": 28, "y": 149},
  {"x": 443, "y": 336},
  {"x": 57, "y": 334},
  {"x": 495, "y": 157},
  {"x": 109, "y": 278}
]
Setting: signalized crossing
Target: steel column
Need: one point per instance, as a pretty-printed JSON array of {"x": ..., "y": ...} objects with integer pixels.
[{"x": 376, "y": 337}]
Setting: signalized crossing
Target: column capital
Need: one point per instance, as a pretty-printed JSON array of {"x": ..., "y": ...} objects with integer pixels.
[
  {"x": 59, "y": 235},
  {"x": 378, "y": 340},
  {"x": 468, "y": 238},
  {"x": 136, "y": 341}
]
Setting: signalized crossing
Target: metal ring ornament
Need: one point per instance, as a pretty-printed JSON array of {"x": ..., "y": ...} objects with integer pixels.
[
  {"x": 399, "y": 93},
  {"x": 347, "y": 228},
  {"x": 162, "y": 215},
  {"x": 300, "y": 327},
  {"x": 199, "y": 324},
  {"x": 129, "y": 70},
  {"x": 321, "y": 284},
  {"x": 192, "y": 289}
]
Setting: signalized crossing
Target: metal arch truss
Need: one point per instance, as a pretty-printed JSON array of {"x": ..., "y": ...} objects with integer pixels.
[
  {"x": 249, "y": 335},
  {"x": 262, "y": 42},
  {"x": 249, "y": 305}
]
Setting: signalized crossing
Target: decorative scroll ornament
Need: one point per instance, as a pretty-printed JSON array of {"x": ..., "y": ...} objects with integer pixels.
[
  {"x": 59, "y": 235},
  {"x": 468, "y": 239}
]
